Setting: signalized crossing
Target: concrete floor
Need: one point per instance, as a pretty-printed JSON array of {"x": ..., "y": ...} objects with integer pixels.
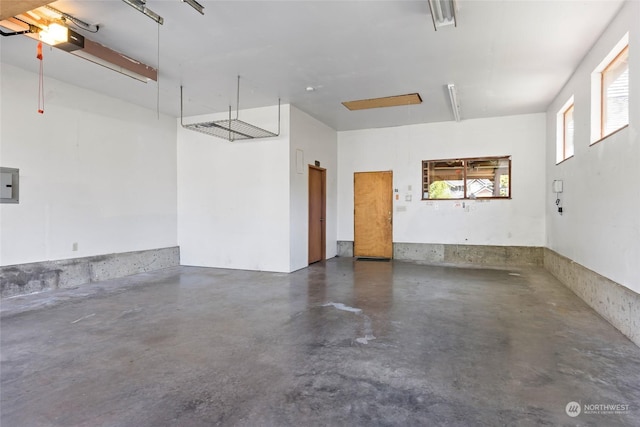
[{"x": 199, "y": 347}]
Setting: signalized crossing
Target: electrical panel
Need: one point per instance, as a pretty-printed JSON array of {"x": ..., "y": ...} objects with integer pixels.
[{"x": 9, "y": 185}]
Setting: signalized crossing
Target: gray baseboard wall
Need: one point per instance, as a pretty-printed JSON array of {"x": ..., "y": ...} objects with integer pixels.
[
  {"x": 618, "y": 304},
  {"x": 436, "y": 253},
  {"x": 24, "y": 279}
]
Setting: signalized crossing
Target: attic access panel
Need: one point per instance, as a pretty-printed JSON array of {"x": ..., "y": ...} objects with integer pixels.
[
  {"x": 387, "y": 101},
  {"x": 230, "y": 129}
]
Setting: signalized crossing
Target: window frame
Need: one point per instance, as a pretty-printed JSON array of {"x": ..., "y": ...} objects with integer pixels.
[
  {"x": 564, "y": 130},
  {"x": 561, "y": 131},
  {"x": 603, "y": 89},
  {"x": 598, "y": 99},
  {"x": 426, "y": 183}
]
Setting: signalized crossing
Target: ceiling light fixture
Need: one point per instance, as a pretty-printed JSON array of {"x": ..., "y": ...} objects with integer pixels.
[
  {"x": 54, "y": 34},
  {"x": 453, "y": 96},
  {"x": 443, "y": 13},
  {"x": 194, "y": 4},
  {"x": 140, "y": 5}
]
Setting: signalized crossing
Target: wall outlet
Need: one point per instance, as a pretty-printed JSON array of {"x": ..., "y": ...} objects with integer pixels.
[{"x": 74, "y": 247}]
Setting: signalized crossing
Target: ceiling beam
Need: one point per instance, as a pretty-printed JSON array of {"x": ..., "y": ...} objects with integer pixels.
[{"x": 9, "y": 8}]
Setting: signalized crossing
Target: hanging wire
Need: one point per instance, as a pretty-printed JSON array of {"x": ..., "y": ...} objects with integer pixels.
[
  {"x": 40, "y": 80},
  {"x": 158, "y": 77}
]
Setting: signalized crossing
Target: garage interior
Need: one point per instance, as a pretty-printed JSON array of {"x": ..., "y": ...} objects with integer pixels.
[{"x": 319, "y": 213}]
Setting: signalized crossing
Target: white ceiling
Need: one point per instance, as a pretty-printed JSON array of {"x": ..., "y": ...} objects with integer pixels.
[{"x": 505, "y": 57}]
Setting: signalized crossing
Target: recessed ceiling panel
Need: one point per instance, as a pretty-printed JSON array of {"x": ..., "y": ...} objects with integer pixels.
[{"x": 389, "y": 101}]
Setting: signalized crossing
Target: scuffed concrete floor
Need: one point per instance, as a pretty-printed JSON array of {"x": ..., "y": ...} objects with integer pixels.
[{"x": 200, "y": 347}]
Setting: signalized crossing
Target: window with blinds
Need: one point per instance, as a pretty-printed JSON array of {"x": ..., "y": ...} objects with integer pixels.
[{"x": 615, "y": 94}]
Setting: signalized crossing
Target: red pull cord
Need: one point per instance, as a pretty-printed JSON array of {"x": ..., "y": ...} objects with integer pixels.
[{"x": 41, "y": 81}]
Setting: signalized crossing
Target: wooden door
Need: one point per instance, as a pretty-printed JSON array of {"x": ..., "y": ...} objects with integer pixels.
[
  {"x": 317, "y": 212},
  {"x": 373, "y": 209}
]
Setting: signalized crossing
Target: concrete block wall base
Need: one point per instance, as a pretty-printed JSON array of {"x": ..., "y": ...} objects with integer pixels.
[
  {"x": 619, "y": 305},
  {"x": 436, "y": 253},
  {"x": 23, "y": 279},
  {"x": 345, "y": 249},
  {"x": 616, "y": 303}
]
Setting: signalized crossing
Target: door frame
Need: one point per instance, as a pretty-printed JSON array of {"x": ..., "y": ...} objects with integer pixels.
[{"x": 323, "y": 216}]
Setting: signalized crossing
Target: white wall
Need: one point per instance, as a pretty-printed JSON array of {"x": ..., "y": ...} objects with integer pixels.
[
  {"x": 233, "y": 197},
  {"x": 600, "y": 226},
  {"x": 317, "y": 141},
  {"x": 94, "y": 170},
  {"x": 515, "y": 222}
]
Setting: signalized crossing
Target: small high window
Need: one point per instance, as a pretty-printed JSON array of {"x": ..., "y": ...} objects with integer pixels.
[
  {"x": 615, "y": 94},
  {"x": 474, "y": 178},
  {"x": 610, "y": 92},
  {"x": 564, "y": 138}
]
